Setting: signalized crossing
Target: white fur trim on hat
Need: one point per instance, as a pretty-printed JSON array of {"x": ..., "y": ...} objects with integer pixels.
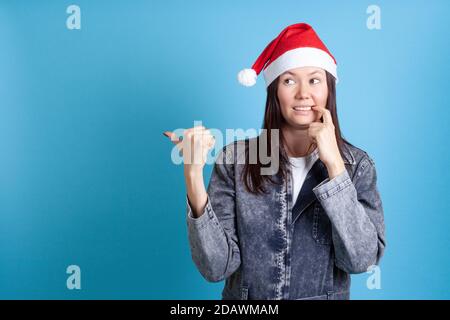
[{"x": 300, "y": 57}]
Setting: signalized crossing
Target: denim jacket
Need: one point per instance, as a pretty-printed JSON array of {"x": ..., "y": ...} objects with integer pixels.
[{"x": 266, "y": 247}]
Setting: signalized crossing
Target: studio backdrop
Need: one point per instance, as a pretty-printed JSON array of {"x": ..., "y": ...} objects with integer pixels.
[{"x": 92, "y": 205}]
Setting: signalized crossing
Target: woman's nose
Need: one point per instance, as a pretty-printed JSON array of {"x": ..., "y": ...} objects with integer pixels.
[{"x": 302, "y": 92}]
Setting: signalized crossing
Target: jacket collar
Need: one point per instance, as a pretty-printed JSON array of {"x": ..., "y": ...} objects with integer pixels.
[
  {"x": 315, "y": 176},
  {"x": 306, "y": 197}
]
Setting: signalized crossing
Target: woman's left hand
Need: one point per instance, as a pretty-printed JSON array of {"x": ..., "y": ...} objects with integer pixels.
[{"x": 323, "y": 135}]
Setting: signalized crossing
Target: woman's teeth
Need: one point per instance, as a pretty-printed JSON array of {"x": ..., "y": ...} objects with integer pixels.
[{"x": 302, "y": 108}]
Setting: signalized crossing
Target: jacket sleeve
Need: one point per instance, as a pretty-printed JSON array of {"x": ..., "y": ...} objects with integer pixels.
[
  {"x": 212, "y": 236},
  {"x": 356, "y": 214}
]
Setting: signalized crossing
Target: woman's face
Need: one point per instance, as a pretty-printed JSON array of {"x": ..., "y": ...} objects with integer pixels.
[{"x": 298, "y": 90}]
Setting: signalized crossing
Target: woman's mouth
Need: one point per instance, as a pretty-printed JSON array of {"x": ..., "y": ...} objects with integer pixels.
[{"x": 304, "y": 111}]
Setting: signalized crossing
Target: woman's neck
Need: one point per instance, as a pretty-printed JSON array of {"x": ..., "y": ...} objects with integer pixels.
[{"x": 297, "y": 142}]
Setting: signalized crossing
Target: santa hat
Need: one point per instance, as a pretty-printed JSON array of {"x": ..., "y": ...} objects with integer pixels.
[{"x": 296, "y": 46}]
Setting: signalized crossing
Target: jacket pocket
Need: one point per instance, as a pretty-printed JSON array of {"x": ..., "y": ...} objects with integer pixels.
[{"x": 321, "y": 230}]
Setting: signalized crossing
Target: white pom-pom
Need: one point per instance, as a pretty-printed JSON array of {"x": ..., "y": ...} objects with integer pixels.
[{"x": 247, "y": 77}]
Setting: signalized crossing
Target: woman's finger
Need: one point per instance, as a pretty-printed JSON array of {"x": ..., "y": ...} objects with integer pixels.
[
  {"x": 325, "y": 113},
  {"x": 172, "y": 136}
]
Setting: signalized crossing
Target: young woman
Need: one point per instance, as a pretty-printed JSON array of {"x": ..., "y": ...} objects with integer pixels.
[{"x": 300, "y": 232}]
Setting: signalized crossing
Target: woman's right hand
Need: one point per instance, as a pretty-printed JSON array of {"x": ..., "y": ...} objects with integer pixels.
[{"x": 195, "y": 145}]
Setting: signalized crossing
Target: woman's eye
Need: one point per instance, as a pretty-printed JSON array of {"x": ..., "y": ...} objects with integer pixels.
[
  {"x": 289, "y": 81},
  {"x": 315, "y": 79}
]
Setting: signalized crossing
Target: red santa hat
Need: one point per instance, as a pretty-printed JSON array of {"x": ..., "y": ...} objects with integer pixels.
[{"x": 296, "y": 46}]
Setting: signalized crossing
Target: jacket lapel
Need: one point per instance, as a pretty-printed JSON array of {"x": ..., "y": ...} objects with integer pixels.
[
  {"x": 306, "y": 197},
  {"x": 315, "y": 176}
]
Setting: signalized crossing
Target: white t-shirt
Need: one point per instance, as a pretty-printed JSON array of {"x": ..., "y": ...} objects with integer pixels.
[{"x": 300, "y": 167}]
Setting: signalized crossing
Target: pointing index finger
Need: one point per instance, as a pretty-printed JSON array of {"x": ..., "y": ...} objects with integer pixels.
[{"x": 172, "y": 136}]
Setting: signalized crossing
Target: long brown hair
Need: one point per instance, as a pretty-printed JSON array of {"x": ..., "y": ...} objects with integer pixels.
[{"x": 273, "y": 119}]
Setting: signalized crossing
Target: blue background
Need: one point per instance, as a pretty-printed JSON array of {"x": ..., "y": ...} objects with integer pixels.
[{"x": 86, "y": 176}]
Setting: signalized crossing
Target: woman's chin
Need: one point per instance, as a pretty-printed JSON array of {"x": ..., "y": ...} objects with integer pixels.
[{"x": 303, "y": 122}]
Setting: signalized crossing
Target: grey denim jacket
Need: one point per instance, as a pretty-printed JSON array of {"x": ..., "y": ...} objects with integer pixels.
[{"x": 267, "y": 247}]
